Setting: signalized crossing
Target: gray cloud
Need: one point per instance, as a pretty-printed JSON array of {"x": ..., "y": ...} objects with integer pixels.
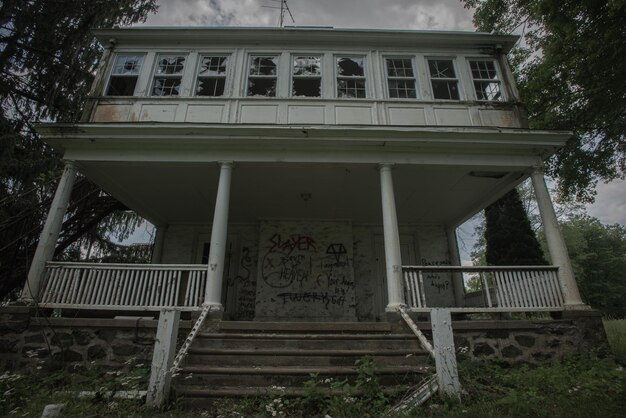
[
  {"x": 397, "y": 14},
  {"x": 610, "y": 204}
]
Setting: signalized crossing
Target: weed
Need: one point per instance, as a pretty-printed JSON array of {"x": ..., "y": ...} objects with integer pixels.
[{"x": 616, "y": 334}]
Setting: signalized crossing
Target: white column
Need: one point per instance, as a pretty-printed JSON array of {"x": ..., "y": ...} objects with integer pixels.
[
  {"x": 217, "y": 252},
  {"x": 50, "y": 233},
  {"x": 455, "y": 260},
  {"x": 393, "y": 259},
  {"x": 159, "y": 240},
  {"x": 556, "y": 243}
]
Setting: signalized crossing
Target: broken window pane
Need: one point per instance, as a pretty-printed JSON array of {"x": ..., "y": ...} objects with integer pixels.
[
  {"x": 350, "y": 67},
  {"x": 307, "y": 77},
  {"x": 211, "y": 76},
  {"x": 170, "y": 64},
  {"x": 211, "y": 86},
  {"x": 399, "y": 67},
  {"x": 351, "y": 77},
  {"x": 307, "y": 66},
  {"x": 263, "y": 65},
  {"x": 262, "y": 76},
  {"x": 124, "y": 75},
  {"x": 213, "y": 66},
  {"x": 262, "y": 87},
  {"x": 166, "y": 87},
  {"x": 443, "y": 79},
  {"x": 486, "y": 81}
]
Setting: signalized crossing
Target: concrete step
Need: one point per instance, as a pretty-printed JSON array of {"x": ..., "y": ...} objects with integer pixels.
[
  {"x": 289, "y": 376},
  {"x": 302, "y": 357},
  {"x": 306, "y": 327},
  {"x": 311, "y": 341}
]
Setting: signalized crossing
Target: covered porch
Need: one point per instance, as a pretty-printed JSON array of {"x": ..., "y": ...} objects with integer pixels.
[{"x": 326, "y": 229}]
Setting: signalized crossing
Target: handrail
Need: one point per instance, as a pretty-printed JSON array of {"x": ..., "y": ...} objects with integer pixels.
[{"x": 471, "y": 269}]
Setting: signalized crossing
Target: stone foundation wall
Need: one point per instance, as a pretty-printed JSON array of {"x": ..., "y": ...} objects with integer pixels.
[{"x": 29, "y": 342}]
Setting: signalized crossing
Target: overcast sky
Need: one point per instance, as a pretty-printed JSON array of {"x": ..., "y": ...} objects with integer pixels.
[{"x": 610, "y": 206}]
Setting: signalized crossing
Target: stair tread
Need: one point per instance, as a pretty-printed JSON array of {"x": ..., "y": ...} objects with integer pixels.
[
  {"x": 306, "y": 352},
  {"x": 201, "y": 391},
  {"x": 299, "y": 370},
  {"x": 310, "y": 326},
  {"x": 316, "y": 336}
]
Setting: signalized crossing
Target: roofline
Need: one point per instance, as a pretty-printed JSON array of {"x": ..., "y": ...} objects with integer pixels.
[{"x": 259, "y": 35}]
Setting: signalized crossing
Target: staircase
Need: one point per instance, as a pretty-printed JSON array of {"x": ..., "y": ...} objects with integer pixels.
[{"x": 237, "y": 359}]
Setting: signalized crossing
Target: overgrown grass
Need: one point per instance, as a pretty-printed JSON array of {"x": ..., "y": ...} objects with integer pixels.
[
  {"x": 575, "y": 387},
  {"x": 616, "y": 334}
]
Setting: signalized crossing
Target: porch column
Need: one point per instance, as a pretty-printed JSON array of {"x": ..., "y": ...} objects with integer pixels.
[
  {"x": 393, "y": 259},
  {"x": 556, "y": 243},
  {"x": 49, "y": 234},
  {"x": 217, "y": 251},
  {"x": 159, "y": 240},
  {"x": 455, "y": 260}
]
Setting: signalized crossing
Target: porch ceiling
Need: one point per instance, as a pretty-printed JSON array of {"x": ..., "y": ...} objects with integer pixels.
[{"x": 185, "y": 193}]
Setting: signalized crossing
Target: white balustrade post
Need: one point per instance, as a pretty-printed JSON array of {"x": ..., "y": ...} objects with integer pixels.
[
  {"x": 217, "y": 251},
  {"x": 393, "y": 260},
  {"x": 455, "y": 259},
  {"x": 159, "y": 240},
  {"x": 49, "y": 234},
  {"x": 556, "y": 243}
]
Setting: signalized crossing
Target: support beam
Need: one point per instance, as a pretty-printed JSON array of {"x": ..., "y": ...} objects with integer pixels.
[
  {"x": 50, "y": 234},
  {"x": 455, "y": 259},
  {"x": 217, "y": 252},
  {"x": 393, "y": 260},
  {"x": 163, "y": 358},
  {"x": 445, "y": 355},
  {"x": 159, "y": 241},
  {"x": 556, "y": 243}
]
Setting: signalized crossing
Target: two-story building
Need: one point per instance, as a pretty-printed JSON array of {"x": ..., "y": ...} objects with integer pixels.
[{"x": 311, "y": 174}]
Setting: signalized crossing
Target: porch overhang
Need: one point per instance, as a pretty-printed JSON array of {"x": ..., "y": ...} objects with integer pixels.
[{"x": 167, "y": 172}]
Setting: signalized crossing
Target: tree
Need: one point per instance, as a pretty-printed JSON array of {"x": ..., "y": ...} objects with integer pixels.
[
  {"x": 570, "y": 70},
  {"x": 509, "y": 238},
  {"x": 598, "y": 254},
  {"x": 47, "y": 62}
]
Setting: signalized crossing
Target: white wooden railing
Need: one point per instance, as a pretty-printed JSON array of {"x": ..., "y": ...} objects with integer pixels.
[
  {"x": 123, "y": 286},
  {"x": 494, "y": 287}
]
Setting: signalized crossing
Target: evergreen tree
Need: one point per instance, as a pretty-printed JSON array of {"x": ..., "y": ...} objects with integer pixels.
[
  {"x": 510, "y": 240},
  {"x": 47, "y": 61}
]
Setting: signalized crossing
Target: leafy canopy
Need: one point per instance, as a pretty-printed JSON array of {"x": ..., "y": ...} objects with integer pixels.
[{"x": 571, "y": 73}]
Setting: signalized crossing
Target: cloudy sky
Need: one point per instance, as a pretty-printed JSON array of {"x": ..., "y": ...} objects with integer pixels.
[{"x": 610, "y": 204}]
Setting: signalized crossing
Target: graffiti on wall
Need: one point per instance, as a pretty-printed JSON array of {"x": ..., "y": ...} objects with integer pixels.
[{"x": 306, "y": 272}]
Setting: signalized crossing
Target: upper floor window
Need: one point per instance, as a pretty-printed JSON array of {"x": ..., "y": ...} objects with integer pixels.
[
  {"x": 262, "y": 76},
  {"x": 400, "y": 78},
  {"x": 168, "y": 75},
  {"x": 443, "y": 79},
  {"x": 486, "y": 81},
  {"x": 125, "y": 74},
  {"x": 351, "y": 77},
  {"x": 211, "y": 76},
  {"x": 307, "y": 76}
]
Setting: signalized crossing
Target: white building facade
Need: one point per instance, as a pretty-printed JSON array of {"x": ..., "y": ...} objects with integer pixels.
[{"x": 311, "y": 174}]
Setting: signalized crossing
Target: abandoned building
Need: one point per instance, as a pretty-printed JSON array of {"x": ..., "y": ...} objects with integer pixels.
[{"x": 308, "y": 180}]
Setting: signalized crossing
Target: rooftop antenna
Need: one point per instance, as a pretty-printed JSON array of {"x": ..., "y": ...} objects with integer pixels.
[{"x": 284, "y": 7}]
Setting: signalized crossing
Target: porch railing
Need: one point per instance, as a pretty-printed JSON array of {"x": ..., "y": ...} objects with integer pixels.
[
  {"x": 123, "y": 286},
  {"x": 494, "y": 287}
]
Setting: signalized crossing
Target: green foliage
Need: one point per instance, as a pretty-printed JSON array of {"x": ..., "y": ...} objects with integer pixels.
[
  {"x": 598, "y": 255},
  {"x": 616, "y": 334},
  {"x": 509, "y": 239},
  {"x": 48, "y": 59},
  {"x": 571, "y": 71}
]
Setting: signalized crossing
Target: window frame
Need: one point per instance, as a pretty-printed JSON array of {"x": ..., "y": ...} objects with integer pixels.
[
  {"x": 110, "y": 75},
  {"x": 498, "y": 80},
  {"x": 457, "y": 77},
  {"x": 387, "y": 77},
  {"x": 225, "y": 77},
  {"x": 337, "y": 77},
  {"x": 293, "y": 77},
  {"x": 276, "y": 77},
  {"x": 180, "y": 76}
]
